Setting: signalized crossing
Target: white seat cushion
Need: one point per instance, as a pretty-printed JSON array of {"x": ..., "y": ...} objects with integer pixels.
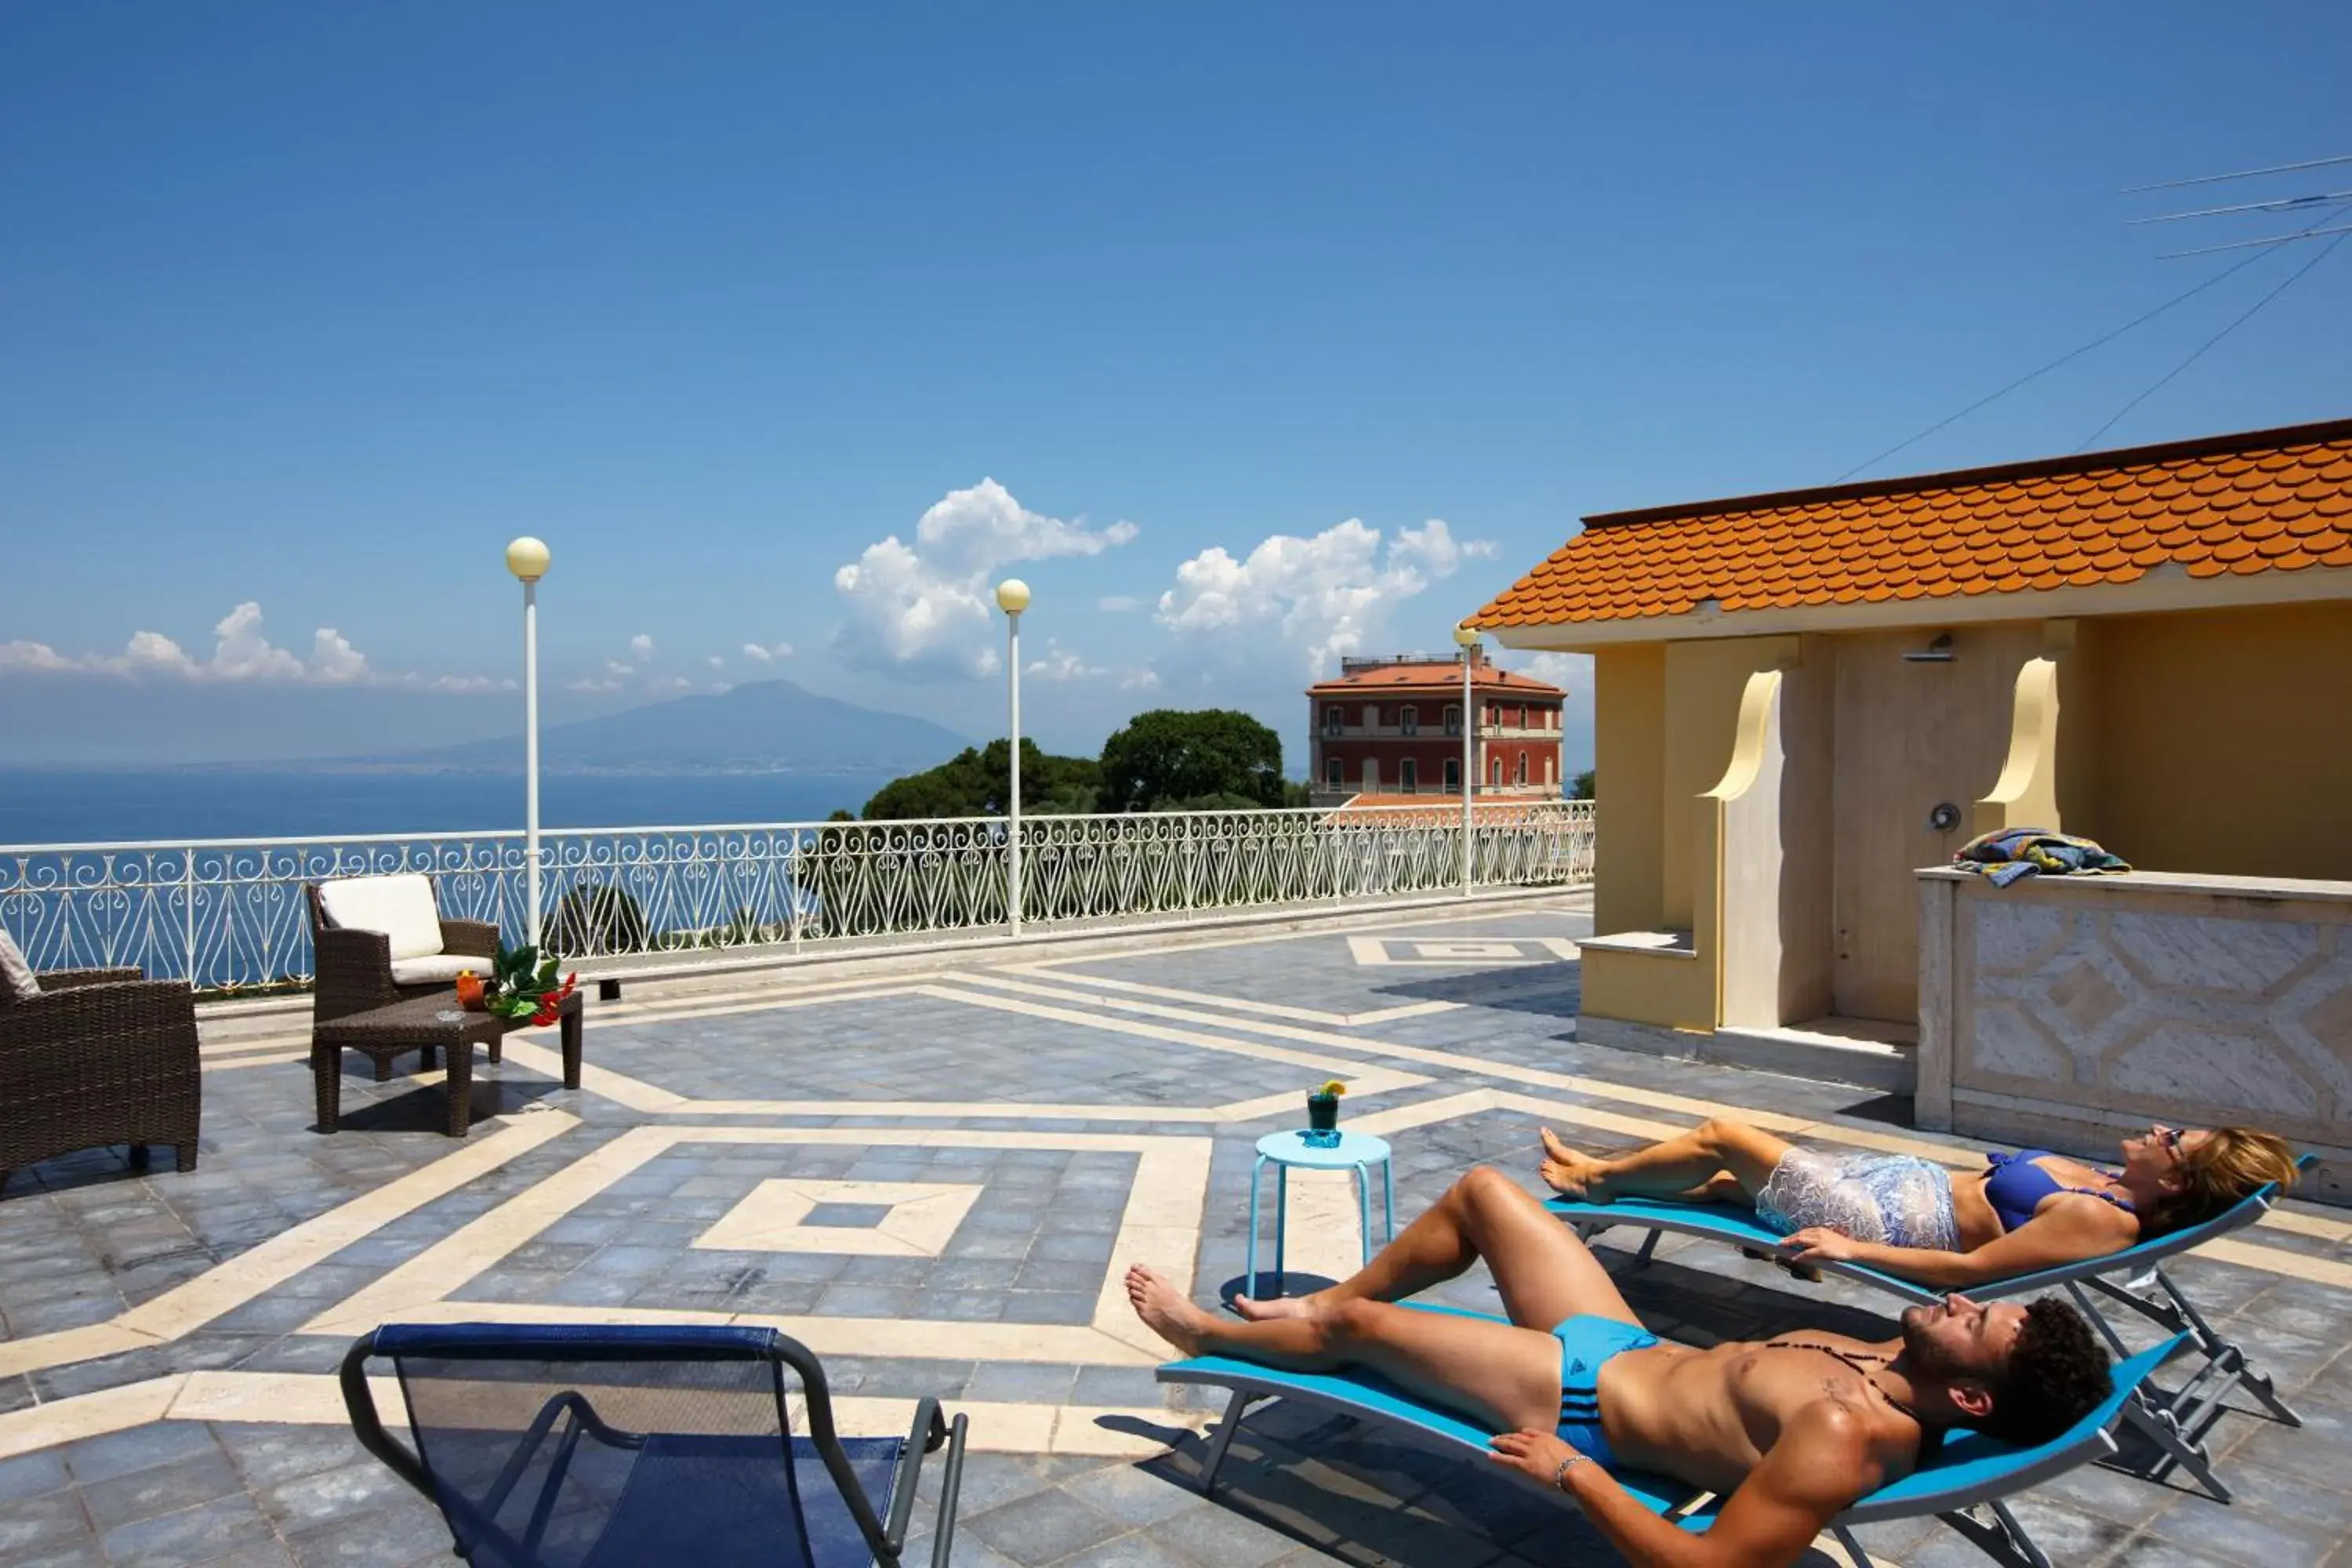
[
  {"x": 16, "y": 981},
  {"x": 435, "y": 968},
  {"x": 401, "y": 907}
]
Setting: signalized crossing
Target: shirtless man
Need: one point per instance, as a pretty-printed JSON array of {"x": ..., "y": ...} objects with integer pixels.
[{"x": 1793, "y": 1430}]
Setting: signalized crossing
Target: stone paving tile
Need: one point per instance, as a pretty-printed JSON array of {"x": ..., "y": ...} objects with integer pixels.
[
  {"x": 80, "y": 1237},
  {"x": 1041, "y": 1526}
]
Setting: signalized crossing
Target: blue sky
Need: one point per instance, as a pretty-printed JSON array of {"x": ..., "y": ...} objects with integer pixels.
[{"x": 311, "y": 308}]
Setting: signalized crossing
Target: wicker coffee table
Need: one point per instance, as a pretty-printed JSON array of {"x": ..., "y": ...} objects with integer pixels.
[{"x": 425, "y": 1025}]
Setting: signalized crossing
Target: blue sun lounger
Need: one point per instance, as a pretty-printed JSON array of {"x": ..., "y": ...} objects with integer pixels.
[
  {"x": 2177, "y": 1422},
  {"x": 1967, "y": 1470},
  {"x": 556, "y": 1446}
]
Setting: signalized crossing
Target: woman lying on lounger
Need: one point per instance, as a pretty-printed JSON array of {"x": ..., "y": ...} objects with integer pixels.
[{"x": 1913, "y": 1217}]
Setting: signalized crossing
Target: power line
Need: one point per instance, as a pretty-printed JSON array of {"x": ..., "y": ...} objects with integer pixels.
[
  {"x": 2251, "y": 244},
  {"x": 2289, "y": 281},
  {"x": 2282, "y": 204},
  {"x": 2240, "y": 175},
  {"x": 2073, "y": 354},
  {"x": 2036, "y": 375}
]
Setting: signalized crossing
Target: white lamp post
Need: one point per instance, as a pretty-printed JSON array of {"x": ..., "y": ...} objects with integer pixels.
[
  {"x": 1466, "y": 637},
  {"x": 1013, "y": 597},
  {"x": 528, "y": 559}
]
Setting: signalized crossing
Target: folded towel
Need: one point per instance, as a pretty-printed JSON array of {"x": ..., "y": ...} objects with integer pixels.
[{"x": 2002, "y": 858}]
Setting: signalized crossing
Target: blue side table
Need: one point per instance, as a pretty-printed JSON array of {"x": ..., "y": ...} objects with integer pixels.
[{"x": 1357, "y": 1152}]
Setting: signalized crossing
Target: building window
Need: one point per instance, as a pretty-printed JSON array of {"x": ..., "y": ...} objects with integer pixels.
[
  {"x": 1522, "y": 770},
  {"x": 1332, "y": 721},
  {"x": 1523, "y": 715},
  {"x": 1409, "y": 720},
  {"x": 1334, "y": 772},
  {"x": 1552, "y": 770},
  {"x": 1454, "y": 718},
  {"x": 1495, "y": 772},
  {"x": 1409, "y": 774},
  {"x": 1371, "y": 715},
  {"x": 1453, "y": 775},
  {"x": 1372, "y": 775}
]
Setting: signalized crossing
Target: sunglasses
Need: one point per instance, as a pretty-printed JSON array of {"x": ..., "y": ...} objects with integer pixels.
[{"x": 2166, "y": 1138}]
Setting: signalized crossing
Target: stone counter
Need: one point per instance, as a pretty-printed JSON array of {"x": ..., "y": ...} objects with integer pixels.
[{"x": 2062, "y": 1011}]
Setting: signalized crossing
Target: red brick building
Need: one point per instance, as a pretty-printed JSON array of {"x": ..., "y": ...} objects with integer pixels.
[{"x": 1393, "y": 726}]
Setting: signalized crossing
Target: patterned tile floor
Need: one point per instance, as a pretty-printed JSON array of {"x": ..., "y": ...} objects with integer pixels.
[{"x": 933, "y": 1181}]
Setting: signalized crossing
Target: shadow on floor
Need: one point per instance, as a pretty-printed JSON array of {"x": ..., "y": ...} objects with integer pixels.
[
  {"x": 1550, "y": 990},
  {"x": 425, "y": 1108},
  {"x": 1364, "y": 1494}
]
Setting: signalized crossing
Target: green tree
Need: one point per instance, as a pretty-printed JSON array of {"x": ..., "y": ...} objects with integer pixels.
[
  {"x": 1169, "y": 757},
  {"x": 1581, "y": 786},
  {"x": 951, "y": 789},
  {"x": 596, "y": 917},
  {"x": 978, "y": 782}
]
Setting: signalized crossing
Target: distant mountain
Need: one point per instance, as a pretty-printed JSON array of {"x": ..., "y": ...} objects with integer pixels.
[{"x": 766, "y": 726}]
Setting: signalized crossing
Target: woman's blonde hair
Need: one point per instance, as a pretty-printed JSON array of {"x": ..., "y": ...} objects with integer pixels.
[{"x": 2222, "y": 1167}]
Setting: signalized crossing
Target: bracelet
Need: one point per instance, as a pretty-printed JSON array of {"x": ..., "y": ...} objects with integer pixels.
[{"x": 1559, "y": 1476}]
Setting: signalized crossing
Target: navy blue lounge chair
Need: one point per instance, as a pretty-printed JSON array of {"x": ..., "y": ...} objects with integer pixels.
[
  {"x": 609, "y": 1448},
  {"x": 2177, "y": 1422},
  {"x": 1967, "y": 1470}
]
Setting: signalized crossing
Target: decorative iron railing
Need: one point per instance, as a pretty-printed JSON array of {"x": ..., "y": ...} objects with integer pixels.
[{"x": 228, "y": 915}]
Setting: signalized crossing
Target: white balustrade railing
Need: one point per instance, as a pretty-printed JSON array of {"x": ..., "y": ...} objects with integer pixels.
[{"x": 229, "y": 915}]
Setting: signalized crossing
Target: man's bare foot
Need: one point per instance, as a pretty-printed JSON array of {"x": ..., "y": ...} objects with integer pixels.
[
  {"x": 1273, "y": 1307},
  {"x": 1570, "y": 1173},
  {"x": 1166, "y": 1311}
]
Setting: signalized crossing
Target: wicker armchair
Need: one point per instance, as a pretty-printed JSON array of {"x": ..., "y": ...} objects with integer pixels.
[
  {"x": 100, "y": 1056},
  {"x": 354, "y": 966}
]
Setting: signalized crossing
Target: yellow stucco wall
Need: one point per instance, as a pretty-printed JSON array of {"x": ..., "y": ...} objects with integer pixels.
[
  {"x": 1664, "y": 718},
  {"x": 2224, "y": 741},
  {"x": 1704, "y": 681},
  {"x": 2215, "y": 741},
  {"x": 1628, "y": 722}
]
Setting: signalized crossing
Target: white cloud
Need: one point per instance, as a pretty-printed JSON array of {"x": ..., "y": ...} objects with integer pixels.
[
  {"x": 641, "y": 647},
  {"x": 23, "y": 655},
  {"x": 1118, "y": 604},
  {"x": 1323, "y": 596},
  {"x": 760, "y": 655},
  {"x": 615, "y": 667},
  {"x": 244, "y": 654},
  {"x": 241, "y": 652},
  {"x": 923, "y": 608},
  {"x": 153, "y": 651},
  {"x": 1140, "y": 680},
  {"x": 1573, "y": 671},
  {"x": 1059, "y": 663},
  {"x": 333, "y": 660},
  {"x": 716, "y": 662},
  {"x": 588, "y": 684}
]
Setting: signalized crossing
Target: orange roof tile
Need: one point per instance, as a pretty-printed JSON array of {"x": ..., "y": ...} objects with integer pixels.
[
  {"x": 1440, "y": 676},
  {"x": 2266, "y": 500}
]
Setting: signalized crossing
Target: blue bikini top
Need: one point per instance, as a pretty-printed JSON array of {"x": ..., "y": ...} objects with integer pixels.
[{"x": 2015, "y": 1187}]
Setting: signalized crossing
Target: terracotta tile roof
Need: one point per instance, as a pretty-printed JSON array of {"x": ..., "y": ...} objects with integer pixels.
[
  {"x": 2269, "y": 500},
  {"x": 1436, "y": 675}
]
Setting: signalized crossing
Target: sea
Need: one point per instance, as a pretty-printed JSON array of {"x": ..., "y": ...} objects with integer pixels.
[{"x": 58, "y": 806}]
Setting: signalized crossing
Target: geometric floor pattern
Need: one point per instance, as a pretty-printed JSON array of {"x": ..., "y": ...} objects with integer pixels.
[{"x": 934, "y": 1181}]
